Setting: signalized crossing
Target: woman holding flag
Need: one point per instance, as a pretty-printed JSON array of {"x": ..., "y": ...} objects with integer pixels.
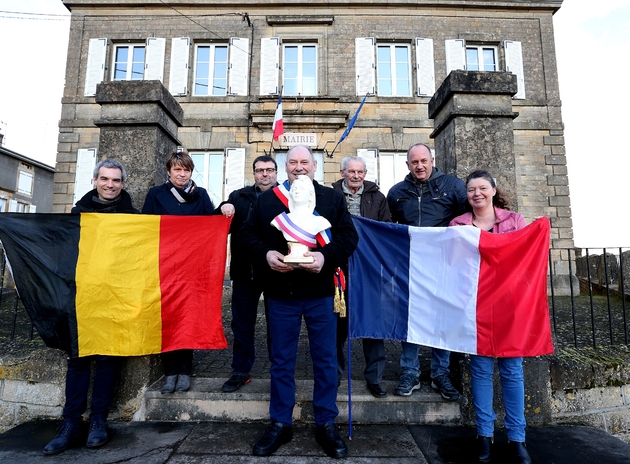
[
  {"x": 488, "y": 210},
  {"x": 178, "y": 196}
]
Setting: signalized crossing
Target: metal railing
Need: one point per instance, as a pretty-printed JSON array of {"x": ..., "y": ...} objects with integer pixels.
[{"x": 588, "y": 308}]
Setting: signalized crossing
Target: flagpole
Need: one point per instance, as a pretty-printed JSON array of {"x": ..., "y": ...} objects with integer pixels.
[{"x": 350, "y": 126}]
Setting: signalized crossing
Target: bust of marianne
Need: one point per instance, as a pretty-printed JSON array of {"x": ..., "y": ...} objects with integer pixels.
[{"x": 300, "y": 226}]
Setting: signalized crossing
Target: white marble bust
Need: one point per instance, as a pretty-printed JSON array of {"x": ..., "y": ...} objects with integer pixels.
[{"x": 300, "y": 225}]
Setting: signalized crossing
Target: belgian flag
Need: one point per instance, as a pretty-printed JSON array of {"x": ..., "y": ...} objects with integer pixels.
[{"x": 120, "y": 284}]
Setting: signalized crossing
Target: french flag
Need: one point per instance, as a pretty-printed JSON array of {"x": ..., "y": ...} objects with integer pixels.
[
  {"x": 457, "y": 288},
  {"x": 278, "y": 124}
]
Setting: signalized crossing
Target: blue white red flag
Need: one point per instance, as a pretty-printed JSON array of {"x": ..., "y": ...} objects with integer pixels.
[{"x": 456, "y": 288}]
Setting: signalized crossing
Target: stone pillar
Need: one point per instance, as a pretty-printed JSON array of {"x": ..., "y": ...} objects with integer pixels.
[
  {"x": 472, "y": 113},
  {"x": 138, "y": 127}
]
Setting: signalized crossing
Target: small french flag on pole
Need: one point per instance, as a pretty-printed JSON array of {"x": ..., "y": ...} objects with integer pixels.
[{"x": 278, "y": 125}]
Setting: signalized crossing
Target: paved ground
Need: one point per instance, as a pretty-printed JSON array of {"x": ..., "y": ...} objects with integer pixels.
[{"x": 187, "y": 443}]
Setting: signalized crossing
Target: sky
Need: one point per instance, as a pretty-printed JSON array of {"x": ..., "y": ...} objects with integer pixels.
[{"x": 593, "y": 55}]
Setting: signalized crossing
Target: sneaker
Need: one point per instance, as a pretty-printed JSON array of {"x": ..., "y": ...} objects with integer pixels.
[
  {"x": 98, "y": 433},
  {"x": 235, "y": 382},
  {"x": 408, "y": 383},
  {"x": 67, "y": 434},
  {"x": 443, "y": 386}
]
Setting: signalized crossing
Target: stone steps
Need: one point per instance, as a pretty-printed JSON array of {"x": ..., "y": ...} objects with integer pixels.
[{"x": 206, "y": 402}]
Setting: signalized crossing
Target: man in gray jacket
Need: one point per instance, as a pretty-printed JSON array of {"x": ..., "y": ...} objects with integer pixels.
[{"x": 363, "y": 198}]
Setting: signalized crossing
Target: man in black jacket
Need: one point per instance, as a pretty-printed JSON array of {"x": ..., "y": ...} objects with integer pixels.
[
  {"x": 363, "y": 199},
  {"x": 305, "y": 291},
  {"x": 426, "y": 198},
  {"x": 107, "y": 197},
  {"x": 245, "y": 290}
]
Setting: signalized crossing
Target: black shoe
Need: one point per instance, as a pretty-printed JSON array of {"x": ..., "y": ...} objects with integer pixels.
[
  {"x": 483, "y": 449},
  {"x": 235, "y": 382},
  {"x": 444, "y": 387},
  {"x": 329, "y": 439},
  {"x": 98, "y": 433},
  {"x": 183, "y": 383},
  {"x": 169, "y": 384},
  {"x": 377, "y": 390},
  {"x": 519, "y": 452},
  {"x": 67, "y": 435},
  {"x": 275, "y": 436}
]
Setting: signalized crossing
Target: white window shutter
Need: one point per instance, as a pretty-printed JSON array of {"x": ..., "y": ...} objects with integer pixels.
[
  {"x": 180, "y": 55},
  {"x": 365, "y": 66},
  {"x": 86, "y": 160},
  {"x": 425, "y": 69},
  {"x": 369, "y": 156},
  {"x": 514, "y": 64},
  {"x": 95, "y": 72},
  {"x": 455, "y": 55},
  {"x": 269, "y": 65},
  {"x": 32, "y": 208},
  {"x": 12, "y": 206},
  {"x": 239, "y": 65},
  {"x": 154, "y": 63},
  {"x": 234, "y": 170}
]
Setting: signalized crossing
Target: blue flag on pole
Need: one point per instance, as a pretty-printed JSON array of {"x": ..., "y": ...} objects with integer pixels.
[{"x": 352, "y": 121}]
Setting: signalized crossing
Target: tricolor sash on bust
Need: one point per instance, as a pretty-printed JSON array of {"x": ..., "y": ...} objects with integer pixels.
[{"x": 300, "y": 235}]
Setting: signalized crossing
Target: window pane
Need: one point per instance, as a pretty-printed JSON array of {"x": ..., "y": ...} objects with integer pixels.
[
  {"x": 220, "y": 54},
  {"x": 215, "y": 177},
  {"x": 137, "y": 71},
  {"x": 291, "y": 54},
  {"x": 308, "y": 53},
  {"x": 472, "y": 59},
  {"x": 198, "y": 173},
  {"x": 309, "y": 87},
  {"x": 488, "y": 60},
  {"x": 219, "y": 86},
  {"x": 203, "y": 54},
  {"x": 120, "y": 63}
]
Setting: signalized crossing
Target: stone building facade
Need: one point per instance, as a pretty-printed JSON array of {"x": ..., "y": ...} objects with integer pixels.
[{"x": 225, "y": 63}]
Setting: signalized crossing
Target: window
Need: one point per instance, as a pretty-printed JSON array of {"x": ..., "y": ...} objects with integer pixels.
[
  {"x": 300, "y": 69},
  {"x": 218, "y": 172},
  {"x": 211, "y": 69},
  {"x": 393, "y": 65},
  {"x": 129, "y": 62},
  {"x": 209, "y": 173},
  {"x": 393, "y": 169},
  {"x": 481, "y": 58},
  {"x": 281, "y": 160},
  {"x": 460, "y": 55},
  {"x": 393, "y": 70},
  {"x": 25, "y": 183},
  {"x": 3, "y": 205}
]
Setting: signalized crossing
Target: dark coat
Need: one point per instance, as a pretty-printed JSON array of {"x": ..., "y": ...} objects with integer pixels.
[
  {"x": 240, "y": 261},
  {"x": 373, "y": 202},
  {"x": 429, "y": 204},
  {"x": 87, "y": 205},
  {"x": 258, "y": 236},
  {"x": 160, "y": 200}
]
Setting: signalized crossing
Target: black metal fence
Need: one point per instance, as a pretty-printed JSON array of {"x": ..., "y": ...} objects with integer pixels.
[{"x": 587, "y": 309}]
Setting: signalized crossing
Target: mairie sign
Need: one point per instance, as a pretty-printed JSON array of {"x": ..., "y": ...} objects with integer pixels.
[{"x": 291, "y": 139}]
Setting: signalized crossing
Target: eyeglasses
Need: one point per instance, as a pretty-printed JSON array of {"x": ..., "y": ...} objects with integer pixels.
[{"x": 267, "y": 170}]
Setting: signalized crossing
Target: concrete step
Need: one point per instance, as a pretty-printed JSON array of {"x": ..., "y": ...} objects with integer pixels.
[{"x": 206, "y": 402}]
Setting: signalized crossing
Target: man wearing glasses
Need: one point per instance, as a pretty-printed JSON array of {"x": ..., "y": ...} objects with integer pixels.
[{"x": 245, "y": 291}]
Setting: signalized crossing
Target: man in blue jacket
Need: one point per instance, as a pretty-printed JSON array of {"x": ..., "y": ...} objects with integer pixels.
[
  {"x": 245, "y": 290},
  {"x": 427, "y": 198}
]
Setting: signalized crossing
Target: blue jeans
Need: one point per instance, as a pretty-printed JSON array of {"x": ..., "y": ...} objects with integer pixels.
[
  {"x": 285, "y": 320},
  {"x": 78, "y": 384},
  {"x": 245, "y": 297},
  {"x": 410, "y": 364},
  {"x": 513, "y": 389}
]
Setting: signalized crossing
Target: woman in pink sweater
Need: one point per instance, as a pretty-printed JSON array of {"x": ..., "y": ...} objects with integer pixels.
[{"x": 489, "y": 212}]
